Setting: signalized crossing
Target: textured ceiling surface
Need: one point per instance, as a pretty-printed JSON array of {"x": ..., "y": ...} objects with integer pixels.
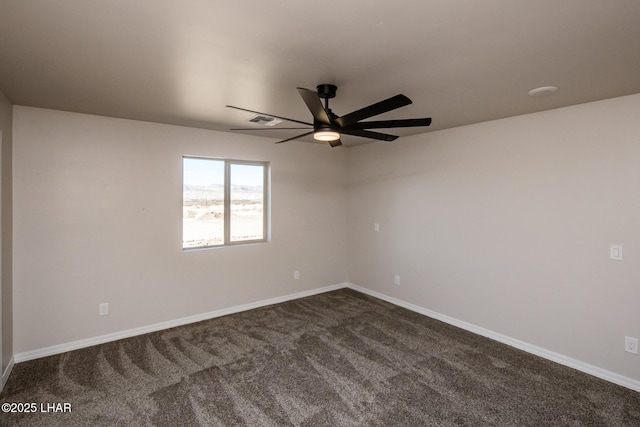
[{"x": 181, "y": 62}]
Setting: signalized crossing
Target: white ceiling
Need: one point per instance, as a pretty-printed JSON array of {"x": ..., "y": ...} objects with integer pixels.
[{"x": 181, "y": 62}]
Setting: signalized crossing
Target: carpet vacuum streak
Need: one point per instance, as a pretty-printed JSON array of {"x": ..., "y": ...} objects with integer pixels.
[{"x": 336, "y": 359}]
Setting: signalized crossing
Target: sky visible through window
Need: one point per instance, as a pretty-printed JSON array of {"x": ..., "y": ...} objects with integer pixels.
[
  {"x": 251, "y": 175},
  {"x": 206, "y": 172}
]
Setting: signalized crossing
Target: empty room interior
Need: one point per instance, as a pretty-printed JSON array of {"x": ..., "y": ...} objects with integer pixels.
[{"x": 336, "y": 213}]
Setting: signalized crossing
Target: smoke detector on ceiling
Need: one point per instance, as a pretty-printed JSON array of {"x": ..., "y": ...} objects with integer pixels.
[{"x": 265, "y": 120}]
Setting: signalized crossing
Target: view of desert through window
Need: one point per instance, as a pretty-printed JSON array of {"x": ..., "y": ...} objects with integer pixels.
[
  {"x": 203, "y": 215},
  {"x": 203, "y": 202}
]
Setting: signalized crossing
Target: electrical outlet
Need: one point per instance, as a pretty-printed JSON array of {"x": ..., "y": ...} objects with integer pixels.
[
  {"x": 296, "y": 274},
  {"x": 631, "y": 345},
  {"x": 103, "y": 309},
  {"x": 396, "y": 280},
  {"x": 376, "y": 227}
]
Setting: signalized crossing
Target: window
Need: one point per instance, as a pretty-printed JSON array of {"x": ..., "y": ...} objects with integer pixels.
[{"x": 224, "y": 202}]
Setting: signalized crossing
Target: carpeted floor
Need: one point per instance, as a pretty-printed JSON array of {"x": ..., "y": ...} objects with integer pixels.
[{"x": 335, "y": 359}]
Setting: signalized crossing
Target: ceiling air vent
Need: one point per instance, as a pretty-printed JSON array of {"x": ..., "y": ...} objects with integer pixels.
[{"x": 265, "y": 120}]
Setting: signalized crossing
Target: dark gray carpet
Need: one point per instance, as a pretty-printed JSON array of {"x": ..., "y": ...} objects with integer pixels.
[{"x": 336, "y": 359}]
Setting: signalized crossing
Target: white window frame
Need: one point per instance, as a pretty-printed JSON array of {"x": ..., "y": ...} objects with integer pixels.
[{"x": 227, "y": 201}]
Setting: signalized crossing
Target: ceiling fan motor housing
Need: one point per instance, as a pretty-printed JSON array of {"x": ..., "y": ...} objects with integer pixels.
[{"x": 327, "y": 91}]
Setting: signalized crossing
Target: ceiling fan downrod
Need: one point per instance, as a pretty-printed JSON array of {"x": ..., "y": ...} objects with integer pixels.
[{"x": 326, "y": 91}]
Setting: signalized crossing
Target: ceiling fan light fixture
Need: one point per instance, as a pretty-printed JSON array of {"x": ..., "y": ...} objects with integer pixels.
[{"x": 326, "y": 135}]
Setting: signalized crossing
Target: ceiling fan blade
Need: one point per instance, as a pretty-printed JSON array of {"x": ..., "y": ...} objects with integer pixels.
[
  {"x": 270, "y": 115},
  {"x": 369, "y": 134},
  {"x": 373, "y": 110},
  {"x": 295, "y": 137},
  {"x": 387, "y": 124},
  {"x": 315, "y": 105},
  {"x": 272, "y": 128},
  {"x": 335, "y": 143}
]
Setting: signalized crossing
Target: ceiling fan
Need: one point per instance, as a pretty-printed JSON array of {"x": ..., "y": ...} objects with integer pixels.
[{"x": 327, "y": 126}]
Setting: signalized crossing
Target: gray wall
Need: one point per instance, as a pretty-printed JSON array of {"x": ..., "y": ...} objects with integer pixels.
[
  {"x": 507, "y": 225},
  {"x": 6, "y": 124},
  {"x": 98, "y": 218}
]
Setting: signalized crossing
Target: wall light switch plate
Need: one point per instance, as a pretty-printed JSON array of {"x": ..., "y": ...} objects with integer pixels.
[
  {"x": 103, "y": 309},
  {"x": 615, "y": 252}
]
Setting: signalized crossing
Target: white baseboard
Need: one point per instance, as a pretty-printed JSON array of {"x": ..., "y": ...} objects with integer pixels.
[
  {"x": 529, "y": 348},
  {"x": 7, "y": 372},
  {"x": 75, "y": 345}
]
